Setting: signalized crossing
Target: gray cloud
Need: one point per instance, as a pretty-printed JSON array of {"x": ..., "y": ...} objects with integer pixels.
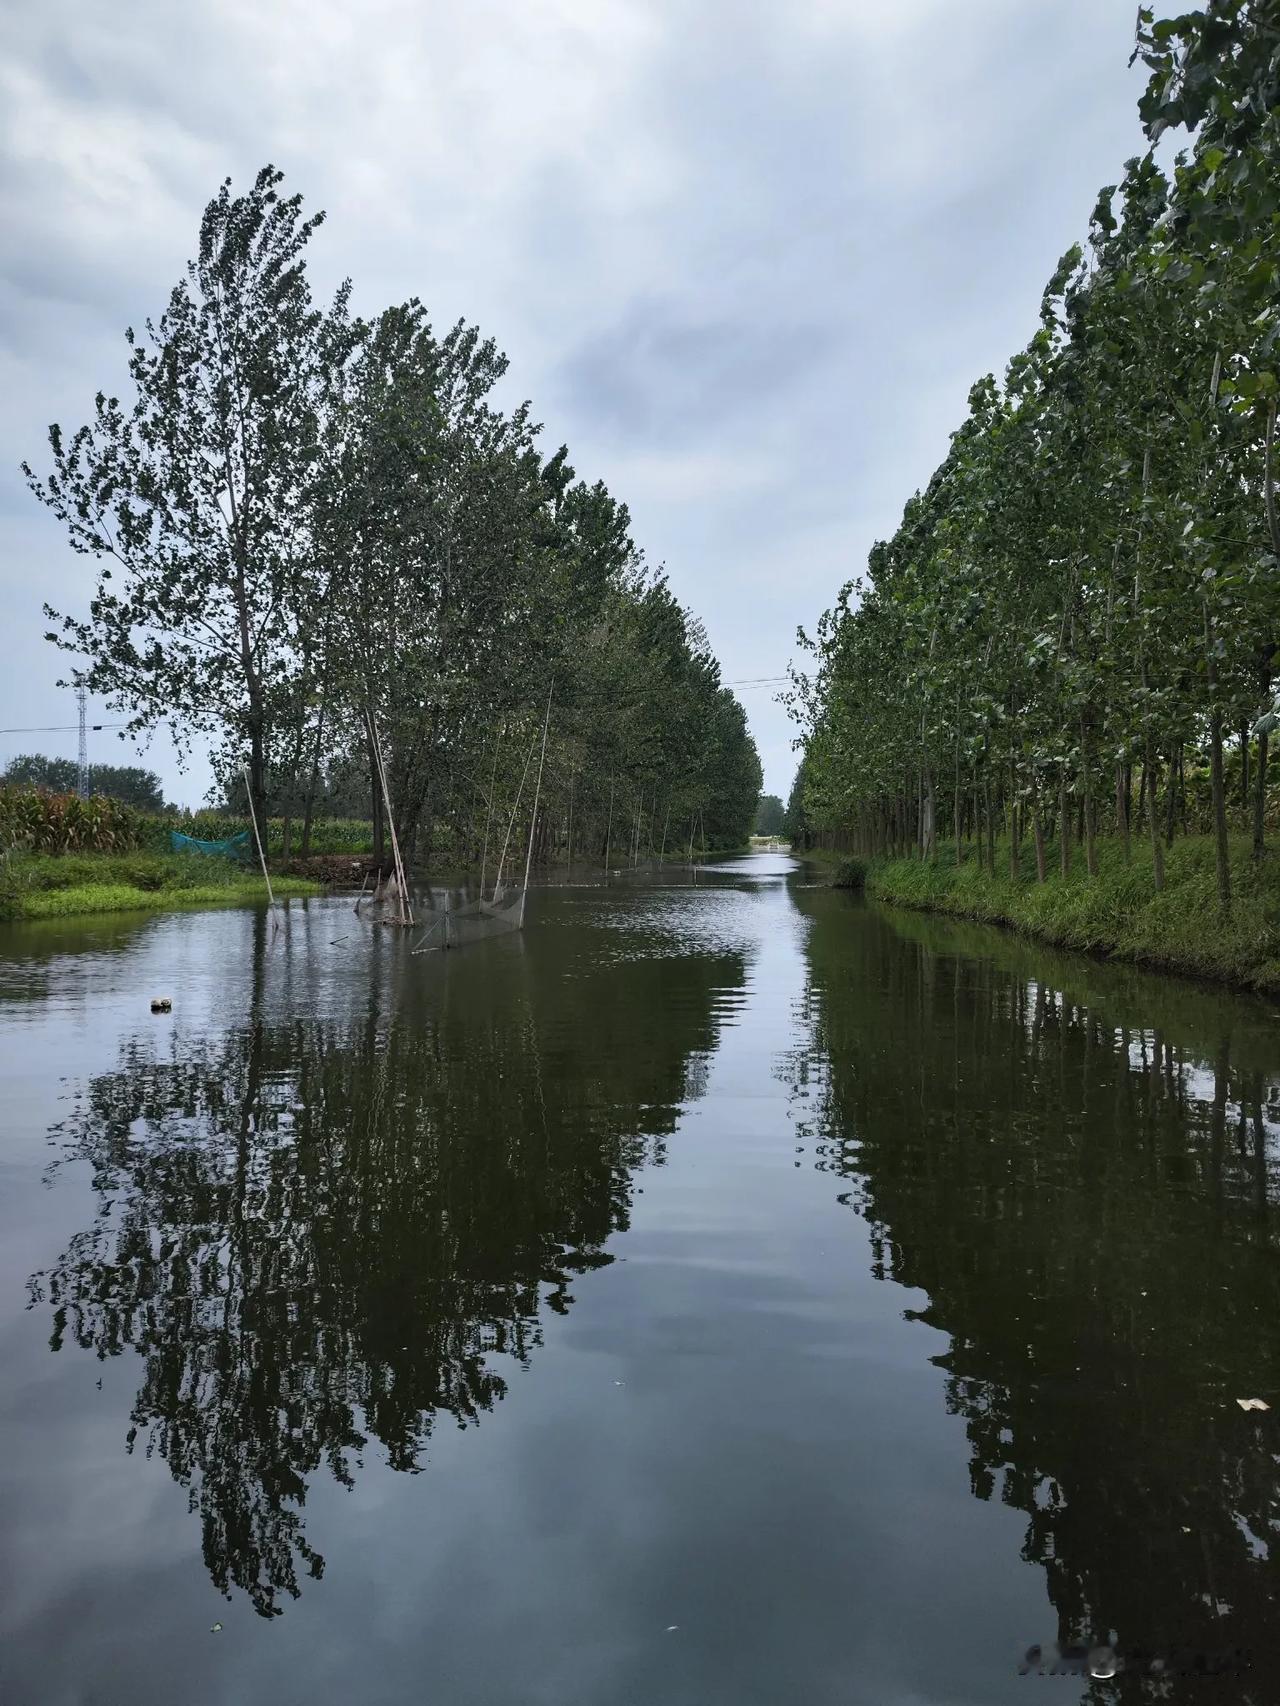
[
  {"x": 746, "y": 259},
  {"x": 662, "y": 374}
]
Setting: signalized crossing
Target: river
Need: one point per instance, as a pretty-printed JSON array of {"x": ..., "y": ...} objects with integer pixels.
[{"x": 721, "y": 1292}]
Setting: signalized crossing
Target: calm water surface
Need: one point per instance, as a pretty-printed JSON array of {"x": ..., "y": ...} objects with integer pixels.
[{"x": 717, "y": 1294}]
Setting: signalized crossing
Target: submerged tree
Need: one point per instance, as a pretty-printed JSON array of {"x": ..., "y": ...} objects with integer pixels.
[{"x": 306, "y": 522}]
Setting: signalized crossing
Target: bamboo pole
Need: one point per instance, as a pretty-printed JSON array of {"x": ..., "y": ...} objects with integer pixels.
[
  {"x": 262, "y": 858},
  {"x": 497, "y": 881},
  {"x": 488, "y": 816},
  {"x": 406, "y": 910},
  {"x": 537, "y": 794}
]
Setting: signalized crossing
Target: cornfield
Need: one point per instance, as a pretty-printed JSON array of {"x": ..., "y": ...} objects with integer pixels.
[
  {"x": 37, "y": 821},
  {"x": 42, "y": 822}
]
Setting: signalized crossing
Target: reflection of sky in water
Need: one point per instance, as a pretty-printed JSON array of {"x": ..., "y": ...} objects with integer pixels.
[{"x": 591, "y": 1188}]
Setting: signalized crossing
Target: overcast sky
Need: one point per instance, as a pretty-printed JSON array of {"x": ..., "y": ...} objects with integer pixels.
[{"x": 746, "y": 259}]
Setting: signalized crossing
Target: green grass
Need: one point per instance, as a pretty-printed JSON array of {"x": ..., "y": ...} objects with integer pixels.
[
  {"x": 1118, "y": 912},
  {"x": 36, "y": 885}
]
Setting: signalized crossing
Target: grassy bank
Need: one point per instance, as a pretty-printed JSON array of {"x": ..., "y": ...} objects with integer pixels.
[
  {"x": 1118, "y": 912},
  {"x": 35, "y": 885}
]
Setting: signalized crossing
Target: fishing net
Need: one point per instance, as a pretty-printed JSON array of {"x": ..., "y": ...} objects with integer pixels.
[
  {"x": 472, "y": 921},
  {"x": 234, "y": 847}
]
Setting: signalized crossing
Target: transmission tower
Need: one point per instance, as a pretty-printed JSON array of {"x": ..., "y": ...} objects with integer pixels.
[{"x": 82, "y": 762}]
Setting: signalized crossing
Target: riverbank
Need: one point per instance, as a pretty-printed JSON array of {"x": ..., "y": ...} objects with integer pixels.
[
  {"x": 75, "y": 885},
  {"x": 1117, "y": 913}
]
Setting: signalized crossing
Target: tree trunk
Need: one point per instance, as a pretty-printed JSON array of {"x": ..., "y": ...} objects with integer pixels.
[
  {"x": 312, "y": 780},
  {"x": 258, "y": 770},
  {"x": 1064, "y": 825},
  {"x": 1090, "y": 830},
  {"x": 1260, "y": 799},
  {"x": 1037, "y": 826},
  {"x": 1153, "y": 820},
  {"x": 377, "y": 814},
  {"x": 1171, "y": 793},
  {"x": 977, "y": 824},
  {"x": 1122, "y": 811},
  {"x": 1260, "y": 772},
  {"x": 1014, "y": 848},
  {"x": 1216, "y": 772},
  {"x": 1219, "y": 809},
  {"x": 1088, "y": 803},
  {"x": 1244, "y": 767}
]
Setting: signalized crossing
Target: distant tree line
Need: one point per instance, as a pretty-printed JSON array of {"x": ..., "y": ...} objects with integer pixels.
[
  {"x": 770, "y": 815},
  {"x": 1080, "y": 613},
  {"x": 128, "y": 783},
  {"x": 305, "y": 519}
]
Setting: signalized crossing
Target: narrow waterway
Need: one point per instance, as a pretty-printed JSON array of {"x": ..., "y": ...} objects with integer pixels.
[{"x": 726, "y": 1292}]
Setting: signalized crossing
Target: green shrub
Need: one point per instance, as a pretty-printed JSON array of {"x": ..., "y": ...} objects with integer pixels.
[{"x": 850, "y": 874}]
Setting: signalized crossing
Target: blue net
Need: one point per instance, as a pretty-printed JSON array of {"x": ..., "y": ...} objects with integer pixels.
[{"x": 234, "y": 847}]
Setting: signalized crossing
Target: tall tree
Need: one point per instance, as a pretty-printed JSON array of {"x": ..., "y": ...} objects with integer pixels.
[{"x": 198, "y": 495}]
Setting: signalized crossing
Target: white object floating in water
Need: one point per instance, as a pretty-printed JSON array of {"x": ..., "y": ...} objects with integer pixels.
[
  {"x": 1252, "y": 1404},
  {"x": 161, "y": 1004},
  {"x": 216, "y": 1630},
  {"x": 671, "y": 1626}
]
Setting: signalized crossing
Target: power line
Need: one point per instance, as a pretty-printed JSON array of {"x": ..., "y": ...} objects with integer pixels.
[
  {"x": 61, "y": 728},
  {"x": 93, "y": 728}
]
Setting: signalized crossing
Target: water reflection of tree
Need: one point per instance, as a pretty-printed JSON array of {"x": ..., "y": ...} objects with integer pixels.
[
  {"x": 1090, "y": 1208},
  {"x": 316, "y": 1233}
]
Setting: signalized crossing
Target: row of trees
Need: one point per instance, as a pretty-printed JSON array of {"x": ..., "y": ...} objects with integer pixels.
[
  {"x": 129, "y": 783},
  {"x": 1084, "y": 602},
  {"x": 304, "y": 518}
]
